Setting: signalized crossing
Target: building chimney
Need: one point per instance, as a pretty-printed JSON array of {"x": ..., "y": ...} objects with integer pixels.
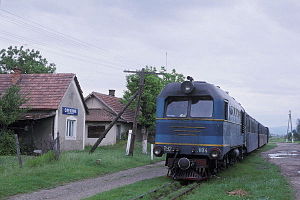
[
  {"x": 111, "y": 93},
  {"x": 16, "y": 75}
]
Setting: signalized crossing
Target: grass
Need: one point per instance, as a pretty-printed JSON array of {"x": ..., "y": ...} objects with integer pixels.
[
  {"x": 281, "y": 139},
  {"x": 44, "y": 172},
  {"x": 254, "y": 175},
  {"x": 131, "y": 191},
  {"x": 276, "y": 139},
  {"x": 259, "y": 178}
]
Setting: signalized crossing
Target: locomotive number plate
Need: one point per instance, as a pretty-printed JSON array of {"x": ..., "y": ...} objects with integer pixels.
[
  {"x": 202, "y": 150},
  {"x": 168, "y": 149}
]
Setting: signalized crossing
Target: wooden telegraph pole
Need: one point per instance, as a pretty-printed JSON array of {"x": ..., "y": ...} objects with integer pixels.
[
  {"x": 102, "y": 136},
  {"x": 137, "y": 110}
]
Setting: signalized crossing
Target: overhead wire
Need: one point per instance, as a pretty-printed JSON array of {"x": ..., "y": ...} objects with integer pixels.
[
  {"x": 51, "y": 33},
  {"x": 112, "y": 63},
  {"x": 95, "y": 62}
]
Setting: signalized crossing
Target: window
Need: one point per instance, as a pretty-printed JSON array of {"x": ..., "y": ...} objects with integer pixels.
[
  {"x": 177, "y": 107},
  {"x": 201, "y": 108},
  {"x": 71, "y": 127},
  {"x": 95, "y": 131},
  {"x": 225, "y": 110},
  {"x": 189, "y": 107}
]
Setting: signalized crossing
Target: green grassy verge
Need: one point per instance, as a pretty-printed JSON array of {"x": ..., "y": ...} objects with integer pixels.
[
  {"x": 254, "y": 175},
  {"x": 44, "y": 172},
  {"x": 277, "y": 139},
  {"x": 281, "y": 139},
  {"x": 131, "y": 191}
]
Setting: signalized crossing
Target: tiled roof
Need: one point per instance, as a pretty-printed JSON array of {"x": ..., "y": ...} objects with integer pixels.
[
  {"x": 114, "y": 103},
  {"x": 37, "y": 115},
  {"x": 43, "y": 91},
  {"x": 96, "y": 115}
]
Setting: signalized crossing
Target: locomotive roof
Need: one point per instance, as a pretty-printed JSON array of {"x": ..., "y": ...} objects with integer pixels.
[{"x": 201, "y": 88}]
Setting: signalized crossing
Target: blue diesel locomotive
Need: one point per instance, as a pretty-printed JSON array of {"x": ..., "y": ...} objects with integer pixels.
[{"x": 201, "y": 129}]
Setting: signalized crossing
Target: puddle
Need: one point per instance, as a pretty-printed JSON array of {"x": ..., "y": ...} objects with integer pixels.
[{"x": 283, "y": 155}]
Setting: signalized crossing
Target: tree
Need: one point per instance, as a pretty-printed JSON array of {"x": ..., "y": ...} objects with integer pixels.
[
  {"x": 10, "y": 106},
  {"x": 298, "y": 126},
  {"x": 10, "y": 111},
  {"x": 28, "y": 61},
  {"x": 153, "y": 85}
]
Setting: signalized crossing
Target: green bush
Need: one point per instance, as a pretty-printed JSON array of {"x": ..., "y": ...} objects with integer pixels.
[
  {"x": 41, "y": 160},
  {"x": 7, "y": 143}
]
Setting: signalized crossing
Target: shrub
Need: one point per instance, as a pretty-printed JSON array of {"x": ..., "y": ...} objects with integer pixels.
[
  {"x": 41, "y": 160},
  {"x": 7, "y": 143}
]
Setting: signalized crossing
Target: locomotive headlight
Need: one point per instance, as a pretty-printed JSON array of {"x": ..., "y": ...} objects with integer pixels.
[
  {"x": 215, "y": 153},
  {"x": 187, "y": 87},
  {"x": 158, "y": 151}
]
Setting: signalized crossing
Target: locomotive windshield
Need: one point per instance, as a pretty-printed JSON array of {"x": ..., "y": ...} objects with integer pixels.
[
  {"x": 192, "y": 107},
  {"x": 201, "y": 108},
  {"x": 177, "y": 107}
]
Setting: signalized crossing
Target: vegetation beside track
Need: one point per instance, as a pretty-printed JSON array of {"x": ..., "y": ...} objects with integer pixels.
[
  {"x": 256, "y": 177},
  {"x": 45, "y": 172}
]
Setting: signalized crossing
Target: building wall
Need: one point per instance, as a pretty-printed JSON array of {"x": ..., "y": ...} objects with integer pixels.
[
  {"x": 93, "y": 102},
  {"x": 108, "y": 140},
  {"x": 111, "y": 137},
  {"x": 71, "y": 99}
]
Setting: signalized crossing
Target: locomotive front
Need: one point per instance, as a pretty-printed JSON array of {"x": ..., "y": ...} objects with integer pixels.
[{"x": 189, "y": 129}]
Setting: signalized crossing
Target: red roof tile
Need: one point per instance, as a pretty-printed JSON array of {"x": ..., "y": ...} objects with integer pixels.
[
  {"x": 96, "y": 115},
  {"x": 114, "y": 103},
  {"x": 43, "y": 91}
]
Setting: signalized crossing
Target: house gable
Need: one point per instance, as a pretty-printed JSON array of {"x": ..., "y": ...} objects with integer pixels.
[{"x": 72, "y": 101}]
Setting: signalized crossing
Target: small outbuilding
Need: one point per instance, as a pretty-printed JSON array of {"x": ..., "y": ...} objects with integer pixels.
[
  {"x": 102, "y": 111},
  {"x": 56, "y": 106}
]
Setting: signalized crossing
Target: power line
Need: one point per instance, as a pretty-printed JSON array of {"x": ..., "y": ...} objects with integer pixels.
[
  {"x": 113, "y": 63},
  {"x": 53, "y": 33},
  {"x": 84, "y": 60}
]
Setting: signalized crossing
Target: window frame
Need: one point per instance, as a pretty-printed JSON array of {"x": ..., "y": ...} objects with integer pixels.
[
  {"x": 177, "y": 97},
  {"x": 190, "y": 107},
  {"x": 226, "y": 111},
  {"x": 67, "y": 136},
  {"x": 189, "y": 99},
  {"x": 90, "y": 126}
]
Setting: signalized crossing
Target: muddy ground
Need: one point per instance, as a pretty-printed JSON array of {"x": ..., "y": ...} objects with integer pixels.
[{"x": 287, "y": 156}]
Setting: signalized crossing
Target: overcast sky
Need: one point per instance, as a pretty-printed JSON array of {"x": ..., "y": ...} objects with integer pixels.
[{"x": 249, "y": 48}]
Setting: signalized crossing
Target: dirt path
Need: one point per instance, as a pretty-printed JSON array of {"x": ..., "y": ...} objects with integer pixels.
[
  {"x": 90, "y": 187},
  {"x": 287, "y": 156}
]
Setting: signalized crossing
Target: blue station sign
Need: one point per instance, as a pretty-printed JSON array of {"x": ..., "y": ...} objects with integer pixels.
[{"x": 69, "y": 111}]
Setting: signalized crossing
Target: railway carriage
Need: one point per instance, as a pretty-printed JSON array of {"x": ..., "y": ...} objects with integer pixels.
[{"x": 200, "y": 128}]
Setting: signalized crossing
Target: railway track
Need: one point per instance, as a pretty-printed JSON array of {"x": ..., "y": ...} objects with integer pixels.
[{"x": 172, "y": 190}]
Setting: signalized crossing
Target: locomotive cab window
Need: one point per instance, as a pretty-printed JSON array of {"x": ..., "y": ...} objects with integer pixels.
[
  {"x": 201, "y": 107},
  {"x": 226, "y": 110},
  {"x": 177, "y": 107}
]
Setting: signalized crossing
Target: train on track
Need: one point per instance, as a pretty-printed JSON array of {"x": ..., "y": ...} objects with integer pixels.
[{"x": 201, "y": 129}]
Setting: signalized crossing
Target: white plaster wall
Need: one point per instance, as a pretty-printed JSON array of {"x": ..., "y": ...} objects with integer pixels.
[
  {"x": 72, "y": 99},
  {"x": 110, "y": 138},
  {"x": 93, "y": 102}
]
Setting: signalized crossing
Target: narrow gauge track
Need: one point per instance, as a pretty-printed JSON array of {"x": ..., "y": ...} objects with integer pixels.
[{"x": 173, "y": 191}]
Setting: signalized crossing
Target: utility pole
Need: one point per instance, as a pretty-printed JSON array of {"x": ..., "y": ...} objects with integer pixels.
[
  {"x": 141, "y": 74},
  {"x": 102, "y": 135},
  {"x": 166, "y": 60},
  {"x": 290, "y": 127}
]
